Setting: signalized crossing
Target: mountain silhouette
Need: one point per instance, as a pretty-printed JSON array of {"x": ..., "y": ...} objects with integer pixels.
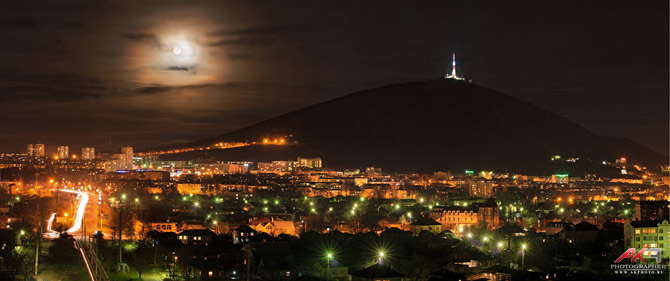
[{"x": 431, "y": 126}]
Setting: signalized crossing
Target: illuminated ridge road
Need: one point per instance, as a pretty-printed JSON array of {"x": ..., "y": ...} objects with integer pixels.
[{"x": 218, "y": 145}]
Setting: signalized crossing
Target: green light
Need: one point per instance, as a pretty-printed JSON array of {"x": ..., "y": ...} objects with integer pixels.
[
  {"x": 469, "y": 172},
  {"x": 329, "y": 255},
  {"x": 397, "y": 206},
  {"x": 561, "y": 175},
  {"x": 156, "y": 197}
]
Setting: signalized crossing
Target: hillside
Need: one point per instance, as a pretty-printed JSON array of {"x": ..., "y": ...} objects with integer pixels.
[{"x": 428, "y": 126}]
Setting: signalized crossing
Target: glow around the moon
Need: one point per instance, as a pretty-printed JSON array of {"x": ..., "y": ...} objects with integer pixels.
[{"x": 178, "y": 56}]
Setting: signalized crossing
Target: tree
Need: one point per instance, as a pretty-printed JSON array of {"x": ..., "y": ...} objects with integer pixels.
[
  {"x": 62, "y": 251},
  {"x": 141, "y": 257},
  {"x": 23, "y": 260}
]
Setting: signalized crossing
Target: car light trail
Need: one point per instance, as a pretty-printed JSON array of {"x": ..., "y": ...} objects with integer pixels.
[
  {"x": 88, "y": 267},
  {"x": 79, "y": 217},
  {"x": 50, "y": 232}
]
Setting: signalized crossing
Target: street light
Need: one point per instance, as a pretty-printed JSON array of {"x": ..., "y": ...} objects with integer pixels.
[
  {"x": 329, "y": 256},
  {"x": 523, "y": 256}
]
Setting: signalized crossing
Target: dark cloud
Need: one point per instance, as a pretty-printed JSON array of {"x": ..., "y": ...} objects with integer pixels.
[
  {"x": 236, "y": 86},
  {"x": 245, "y": 36},
  {"x": 26, "y": 93},
  {"x": 178, "y": 68},
  {"x": 19, "y": 24},
  {"x": 247, "y": 31},
  {"x": 143, "y": 37},
  {"x": 242, "y": 42},
  {"x": 70, "y": 25}
]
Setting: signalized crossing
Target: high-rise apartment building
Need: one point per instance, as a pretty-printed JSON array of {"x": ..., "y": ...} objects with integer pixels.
[
  {"x": 35, "y": 150},
  {"x": 127, "y": 159},
  {"x": 63, "y": 152},
  {"x": 87, "y": 153},
  {"x": 311, "y": 163}
]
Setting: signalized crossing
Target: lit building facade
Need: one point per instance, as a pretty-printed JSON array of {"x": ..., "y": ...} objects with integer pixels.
[
  {"x": 35, "y": 150},
  {"x": 648, "y": 234},
  {"x": 127, "y": 158},
  {"x": 458, "y": 219},
  {"x": 87, "y": 153},
  {"x": 311, "y": 163},
  {"x": 63, "y": 152}
]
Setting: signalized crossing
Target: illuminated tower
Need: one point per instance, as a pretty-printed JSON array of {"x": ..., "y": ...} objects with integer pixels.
[{"x": 453, "y": 69}]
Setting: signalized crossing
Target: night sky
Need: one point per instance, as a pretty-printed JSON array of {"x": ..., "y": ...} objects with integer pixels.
[{"x": 152, "y": 73}]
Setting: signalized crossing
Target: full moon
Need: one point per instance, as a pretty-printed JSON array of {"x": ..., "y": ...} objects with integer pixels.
[{"x": 182, "y": 49}]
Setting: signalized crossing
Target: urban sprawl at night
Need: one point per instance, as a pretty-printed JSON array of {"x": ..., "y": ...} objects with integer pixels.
[{"x": 334, "y": 140}]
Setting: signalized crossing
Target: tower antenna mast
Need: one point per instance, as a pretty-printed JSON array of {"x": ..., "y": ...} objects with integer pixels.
[{"x": 453, "y": 69}]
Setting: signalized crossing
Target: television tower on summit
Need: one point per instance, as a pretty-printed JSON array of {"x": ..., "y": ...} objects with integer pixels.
[{"x": 453, "y": 69}]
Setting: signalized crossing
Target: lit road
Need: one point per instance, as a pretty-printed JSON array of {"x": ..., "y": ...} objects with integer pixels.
[{"x": 79, "y": 217}]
